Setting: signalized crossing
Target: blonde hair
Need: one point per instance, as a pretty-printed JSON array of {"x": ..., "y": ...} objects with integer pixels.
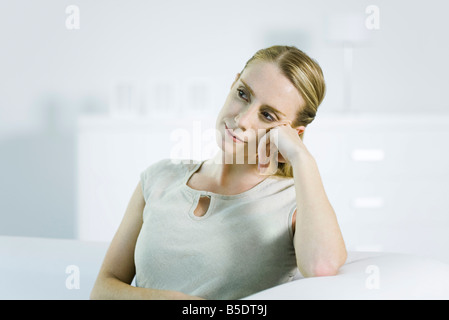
[{"x": 306, "y": 75}]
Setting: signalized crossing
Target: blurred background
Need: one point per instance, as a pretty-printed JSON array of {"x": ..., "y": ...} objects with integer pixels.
[{"x": 93, "y": 92}]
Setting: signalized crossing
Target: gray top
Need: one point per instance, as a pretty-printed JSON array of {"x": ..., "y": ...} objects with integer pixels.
[{"x": 243, "y": 243}]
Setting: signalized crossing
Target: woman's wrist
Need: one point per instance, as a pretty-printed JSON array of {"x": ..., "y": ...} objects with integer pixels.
[{"x": 300, "y": 157}]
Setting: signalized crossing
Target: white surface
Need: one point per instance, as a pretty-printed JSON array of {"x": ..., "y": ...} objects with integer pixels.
[
  {"x": 35, "y": 268},
  {"x": 371, "y": 276}
]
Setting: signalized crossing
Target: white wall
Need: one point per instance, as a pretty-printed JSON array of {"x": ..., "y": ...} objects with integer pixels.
[
  {"x": 401, "y": 68},
  {"x": 49, "y": 75}
]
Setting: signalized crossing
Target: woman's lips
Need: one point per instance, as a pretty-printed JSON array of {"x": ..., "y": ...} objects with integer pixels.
[{"x": 234, "y": 137}]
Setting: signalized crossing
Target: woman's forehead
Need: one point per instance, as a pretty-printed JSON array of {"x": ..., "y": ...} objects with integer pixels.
[{"x": 272, "y": 88}]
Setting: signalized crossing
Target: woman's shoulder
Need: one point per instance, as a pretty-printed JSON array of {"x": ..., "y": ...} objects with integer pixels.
[
  {"x": 164, "y": 174},
  {"x": 167, "y": 166}
]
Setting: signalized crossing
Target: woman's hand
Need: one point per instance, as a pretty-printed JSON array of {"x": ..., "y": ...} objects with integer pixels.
[{"x": 280, "y": 144}]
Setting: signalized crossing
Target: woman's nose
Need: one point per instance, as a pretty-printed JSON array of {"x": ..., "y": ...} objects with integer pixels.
[{"x": 245, "y": 118}]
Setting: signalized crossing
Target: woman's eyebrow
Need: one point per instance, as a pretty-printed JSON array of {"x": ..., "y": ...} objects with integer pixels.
[{"x": 266, "y": 106}]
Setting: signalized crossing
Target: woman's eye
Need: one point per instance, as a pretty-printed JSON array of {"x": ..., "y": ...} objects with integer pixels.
[
  {"x": 242, "y": 94},
  {"x": 268, "y": 116}
]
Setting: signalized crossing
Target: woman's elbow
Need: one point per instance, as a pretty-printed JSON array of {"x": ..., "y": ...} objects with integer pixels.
[{"x": 325, "y": 268}]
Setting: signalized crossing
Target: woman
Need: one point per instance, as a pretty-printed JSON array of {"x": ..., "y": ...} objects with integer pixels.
[{"x": 226, "y": 228}]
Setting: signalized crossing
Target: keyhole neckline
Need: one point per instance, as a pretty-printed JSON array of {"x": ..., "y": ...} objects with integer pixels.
[
  {"x": 213, "y": 195},
  {"x": 196, "y": 203}
]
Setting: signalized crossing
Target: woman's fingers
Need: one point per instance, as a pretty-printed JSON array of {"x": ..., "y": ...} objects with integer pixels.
[{"x": 268, "y": 153}]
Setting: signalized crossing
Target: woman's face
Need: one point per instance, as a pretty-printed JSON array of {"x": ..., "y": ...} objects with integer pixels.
[{"x": 260, "y": 99}]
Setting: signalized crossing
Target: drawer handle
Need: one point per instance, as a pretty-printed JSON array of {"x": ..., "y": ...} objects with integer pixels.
[{"x": 368, "y": 155}]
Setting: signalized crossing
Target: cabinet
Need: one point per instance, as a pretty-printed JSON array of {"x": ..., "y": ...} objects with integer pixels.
[{"x": 387, "y": 178}]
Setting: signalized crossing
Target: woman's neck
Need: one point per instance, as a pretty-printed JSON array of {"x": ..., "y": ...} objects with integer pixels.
[{"x": 231, "y": 176}]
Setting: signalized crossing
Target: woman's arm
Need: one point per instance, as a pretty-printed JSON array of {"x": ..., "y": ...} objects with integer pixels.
[
  {"x": 117, "y": 271},
  {"x": 318, "y": 242}
]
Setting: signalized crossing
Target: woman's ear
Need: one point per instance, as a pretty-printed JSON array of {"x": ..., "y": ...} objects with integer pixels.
[{"x": 300, "y": 129}]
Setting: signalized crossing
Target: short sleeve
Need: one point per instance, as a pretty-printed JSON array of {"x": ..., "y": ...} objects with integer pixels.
[
  {"x": 290, "y": 221},
  {"x": 290, "y": 207},
  {"x": 148, "y": 177}
]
